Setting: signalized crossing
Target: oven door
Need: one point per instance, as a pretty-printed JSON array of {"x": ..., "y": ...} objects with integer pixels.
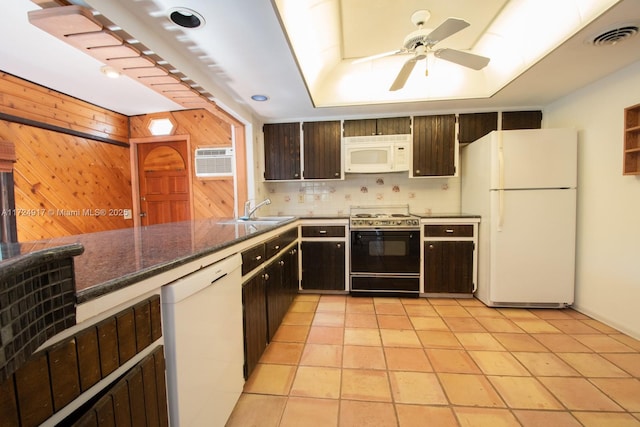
[{"x": 385, "y": 251}]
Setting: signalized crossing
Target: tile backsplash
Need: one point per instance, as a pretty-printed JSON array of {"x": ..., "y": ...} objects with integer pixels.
[{"x": 320, "y": 198}]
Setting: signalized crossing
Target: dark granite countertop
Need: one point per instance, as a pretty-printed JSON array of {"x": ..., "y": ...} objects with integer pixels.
[{"x": 114, "y": 259}]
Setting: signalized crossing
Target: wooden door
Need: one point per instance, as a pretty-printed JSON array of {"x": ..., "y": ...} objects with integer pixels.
[
  {"x": 164, "y": 182},
  {"x": 360, "y": 127},
  {"x": 434, "y": 145},
  {"x": 254, "y": 321},
  {"x": 281, "y": 151},
  {"x": 448, "y": 266},
  {"x": 323, "y": 265},
  {"x": 322, "y": 158},
  {"x": 394, "y": 126}
]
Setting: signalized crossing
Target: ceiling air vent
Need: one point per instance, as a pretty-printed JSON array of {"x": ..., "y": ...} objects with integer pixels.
[
  {"x": 214, "y": 162},
  {"x": 616, "y": 35}
]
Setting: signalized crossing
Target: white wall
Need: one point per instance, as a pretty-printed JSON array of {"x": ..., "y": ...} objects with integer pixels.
[{"x": 608, "y": 246}]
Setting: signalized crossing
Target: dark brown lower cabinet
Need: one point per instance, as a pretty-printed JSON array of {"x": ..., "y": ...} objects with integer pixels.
[
  {"x": 275, "y": 296},
  {"x": 54, "y": 377},
  {"x": 254, "y": 319},
  {"x": 448, "y": 267},
  {"x": 266, "y": 298},
  {"x": 137, "y": 399},
  {"x": 323, "y": 265}
]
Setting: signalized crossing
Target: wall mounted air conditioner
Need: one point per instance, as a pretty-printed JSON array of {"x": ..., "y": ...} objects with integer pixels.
[{"x": 214, "y": 162}]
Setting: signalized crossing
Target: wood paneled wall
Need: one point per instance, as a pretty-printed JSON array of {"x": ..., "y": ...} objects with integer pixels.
[
  {"x": 72, "y": 173},
  {"x": 213, "y": 197},
  {"x": 26, "y": 100}
]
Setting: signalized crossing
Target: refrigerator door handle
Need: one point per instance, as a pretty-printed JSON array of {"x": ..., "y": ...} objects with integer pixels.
[{"x": 500, "y": 182}]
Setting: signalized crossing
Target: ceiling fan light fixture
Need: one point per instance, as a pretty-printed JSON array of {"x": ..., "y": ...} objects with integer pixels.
[
  {"x": 260, "y": 98},
  {"x": 185, "y": 18}
]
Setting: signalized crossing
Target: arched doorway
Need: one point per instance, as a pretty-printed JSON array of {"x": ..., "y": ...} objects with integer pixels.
[{"x": 163, "y": 175}]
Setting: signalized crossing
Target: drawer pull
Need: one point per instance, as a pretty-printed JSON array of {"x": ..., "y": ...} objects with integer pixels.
[
  {"x": 258, "y": 257},
  {"x": 276, "y": 247},
  {"x": 448, "y": 230},
  {"x": 323, "y": 232}
]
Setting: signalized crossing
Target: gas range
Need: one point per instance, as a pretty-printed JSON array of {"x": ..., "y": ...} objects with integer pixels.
[{"x": 382, "y": 217}]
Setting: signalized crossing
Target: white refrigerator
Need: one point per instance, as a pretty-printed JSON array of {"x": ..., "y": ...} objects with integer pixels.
[{"x": 523, "y": 184}]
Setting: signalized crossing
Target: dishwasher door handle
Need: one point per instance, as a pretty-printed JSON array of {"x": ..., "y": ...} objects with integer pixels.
[{"x": 219, "y": 277}]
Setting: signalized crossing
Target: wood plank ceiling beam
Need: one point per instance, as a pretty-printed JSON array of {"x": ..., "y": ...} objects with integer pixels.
[{"x": 77, "y": 26}]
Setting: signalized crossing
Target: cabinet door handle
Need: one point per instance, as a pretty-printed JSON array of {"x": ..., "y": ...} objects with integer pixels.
[
  {"x": 266, "y": 276},
  {"x": 281, "y": 263},
  {"x": 276, "y": 247},
  {"x": 430, "y": 246},
  {"x": 258, "y": 257},
  {"x": 338, "y": 245},
  {"x": 337, "y": 174},
  {"x": 417, "y": 170}
]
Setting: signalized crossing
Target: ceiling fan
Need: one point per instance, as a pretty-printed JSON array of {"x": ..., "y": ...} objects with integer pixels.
[{"x": 421, "y": 41}]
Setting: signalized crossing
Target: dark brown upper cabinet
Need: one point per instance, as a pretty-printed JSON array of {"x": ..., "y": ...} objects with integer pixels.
[
  {"x": 321, "y": 142},
  {"x": 384, "y": 126},
  {"x": 282, "y": 151},
  {"x": 434, "y": 144},
  {"x": 521, "y": 120},
  {"x": 474, "y": 126}
]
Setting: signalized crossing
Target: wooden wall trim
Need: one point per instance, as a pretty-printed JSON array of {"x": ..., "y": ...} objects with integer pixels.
[{"x": 46, "y": 126}]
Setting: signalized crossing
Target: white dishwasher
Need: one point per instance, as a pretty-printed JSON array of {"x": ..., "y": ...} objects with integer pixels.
[{"x": 202, "y": 325}]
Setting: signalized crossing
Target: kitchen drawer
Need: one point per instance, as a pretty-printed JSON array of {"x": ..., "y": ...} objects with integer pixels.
[
  {"x": 276, "y": 244},
  {"x": 323, "y": 231},
  {"x": 252, "y": 258},
  {"x": 448, "y": 230}
]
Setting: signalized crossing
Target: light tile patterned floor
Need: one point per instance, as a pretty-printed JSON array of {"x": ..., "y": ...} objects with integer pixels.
[{"x": 344, "y": 361}]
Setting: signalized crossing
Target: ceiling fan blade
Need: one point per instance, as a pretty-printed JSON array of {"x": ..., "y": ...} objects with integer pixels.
[
  {"x": 465, "y": 59},
  {"x": 446, "y": 29},
  {"x": 379, "y": 55},
  {"x": 403, "y": 75}
]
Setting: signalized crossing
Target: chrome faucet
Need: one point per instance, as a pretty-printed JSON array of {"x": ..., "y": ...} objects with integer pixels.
[{"x": 248, "y": 212}]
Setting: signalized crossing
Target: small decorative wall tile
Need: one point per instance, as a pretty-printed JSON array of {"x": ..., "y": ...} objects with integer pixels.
[
  {"x": 380, "y": 181},
  {"x": 287, "y": 198},
  {"x": 396, "y": 188},
  {"x": 332, "y": 189},
  {"x": 445, "y": 187},
  {"x": 364, "y": 189},
  {"x": 316, "y": 197},
  {"x": 347, "y": 196},
  {"x": 411, "y": 195},
  {"x": 379, "y": 196}
]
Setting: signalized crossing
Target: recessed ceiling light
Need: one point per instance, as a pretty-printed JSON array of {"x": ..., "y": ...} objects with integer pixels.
[
  {"x": 185, "y": 18},
  {"x": 110, "y": 72},
  {"x": 260, "y": 98}
]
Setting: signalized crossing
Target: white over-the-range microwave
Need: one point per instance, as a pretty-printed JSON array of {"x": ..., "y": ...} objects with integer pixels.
[{"x": 376, "y": 153}]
